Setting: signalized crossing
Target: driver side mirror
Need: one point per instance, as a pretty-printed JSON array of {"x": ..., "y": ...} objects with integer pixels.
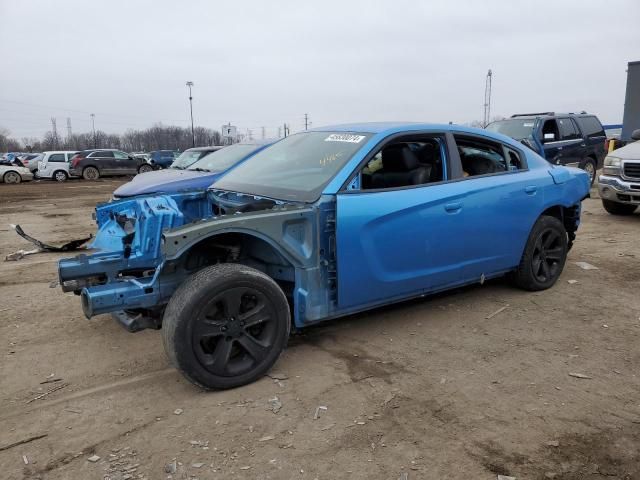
[
  {"x": 548, "y": 137},
  {"x": 635, "y": 135}
]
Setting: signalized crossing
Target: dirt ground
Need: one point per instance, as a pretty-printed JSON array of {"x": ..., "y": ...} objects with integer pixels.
[{"x": 438, "y": 388}]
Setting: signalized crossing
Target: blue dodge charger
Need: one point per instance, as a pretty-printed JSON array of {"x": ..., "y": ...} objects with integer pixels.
[{"x": 323, "y": 224}]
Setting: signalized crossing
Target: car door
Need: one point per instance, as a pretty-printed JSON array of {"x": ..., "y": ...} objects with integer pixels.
[
  {"x": 104, "y": 161},
  {"x": 125, "y": 165},
  {"x": 394, "y": 243},
  {"x": 573, "y": 145},
  {"x": 501, "y": 203}
]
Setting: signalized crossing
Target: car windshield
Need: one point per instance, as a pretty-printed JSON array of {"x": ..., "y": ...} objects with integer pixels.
[
  {"x": 518, "y": 128},
  {"x": 224, "y": 158},
  {"x": 296, "y": 168},
  {"x": 186, "y": 158}
]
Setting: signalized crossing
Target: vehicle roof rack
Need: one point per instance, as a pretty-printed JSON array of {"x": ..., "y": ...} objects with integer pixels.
[{"x": 532, "y": 114}]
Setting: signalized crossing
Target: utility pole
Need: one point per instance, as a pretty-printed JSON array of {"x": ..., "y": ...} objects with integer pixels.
[
  {"x": 54, "y": 130},
  {"x": 69, "y": 128},
  {"x": 487, "y": 99},
  {"x": 306, "y": 121},
  {"x": 93, "y": 127},
  {"x": 193, "y": 134}
]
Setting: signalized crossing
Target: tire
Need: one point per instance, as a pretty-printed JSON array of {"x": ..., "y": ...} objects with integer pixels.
[
  {"x": 590, "y": 167},
  {"x": 544, "y": 255},
  {"x": 145, "y": 168},
  {"x": 207, "y": 318},
  {"x": 12, "y": 177},
  {"x": 60, "y": 176},
  {"x": 91, "y": 173},
  {"x": 615, "y": 208}
]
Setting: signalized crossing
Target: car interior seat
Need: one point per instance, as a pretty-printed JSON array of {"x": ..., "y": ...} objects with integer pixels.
[
  {"x": 479, "y": 165},
  {"x": 400, "y": 167}
]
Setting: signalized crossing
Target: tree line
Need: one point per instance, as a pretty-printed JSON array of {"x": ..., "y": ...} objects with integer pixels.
[{"x": 157, "y": 137}]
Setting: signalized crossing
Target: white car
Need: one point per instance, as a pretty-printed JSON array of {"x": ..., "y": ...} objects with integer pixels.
[
  {"x": 55, "y": 165},
  {"x": 14, "y": 174}
]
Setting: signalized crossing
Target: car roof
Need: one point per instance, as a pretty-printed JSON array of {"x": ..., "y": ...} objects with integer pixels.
[
  {"x": 397, "y": 127},
  {"x": 60, "y": 151}
]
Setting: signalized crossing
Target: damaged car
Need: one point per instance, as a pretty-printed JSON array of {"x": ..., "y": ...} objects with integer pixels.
[{"x": 323, "y": 224}]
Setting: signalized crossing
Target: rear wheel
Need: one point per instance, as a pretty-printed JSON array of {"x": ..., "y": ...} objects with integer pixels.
[
  {"x": 60, "y": 176},
  {"x": 589, "y": 166},
  {"x": 226, "y": 326},
  {"x": 12, "y": 177},
  {"x": 145, "y": 167},
  {"x": 615, "y": 208},
  {"x": 544, "y": 255},
  {"x": 91, "y": 173}
]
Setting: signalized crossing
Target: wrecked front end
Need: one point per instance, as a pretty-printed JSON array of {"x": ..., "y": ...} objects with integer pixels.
[{"x": 122, "y": 274}]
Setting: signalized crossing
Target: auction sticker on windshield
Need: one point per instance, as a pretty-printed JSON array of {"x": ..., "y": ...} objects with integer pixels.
[{"x": 344, "y": 137}]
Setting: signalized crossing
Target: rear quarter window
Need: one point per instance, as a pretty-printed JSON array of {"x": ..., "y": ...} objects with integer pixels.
[{"x": 590, "y": 126}]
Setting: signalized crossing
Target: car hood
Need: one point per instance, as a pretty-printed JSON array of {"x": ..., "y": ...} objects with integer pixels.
[
  {"x": 628, "y": 152},
  {"x": 166, "y": 181}
]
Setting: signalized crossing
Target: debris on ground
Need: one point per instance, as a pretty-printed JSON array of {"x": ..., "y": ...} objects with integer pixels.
[
  {"x": 553, "y": 443},
  {"x": 197, "y": 465},
  {"x": 403, "y": 476},
  {"x": 500, "y": 310},
  {"x": 171, "y": 467},
  {"x": 266, "y": 438},
  {"x": 318, "y": 410},
  {"x": 505, "y": 477},
  {"x": 48, "y": 392},
  {"x": 278, "y": 376},
  {"x": 93, "y": 458},
  {"x": 586, "y": 266},
  {"x": 579, "y": 375},
  {"x": 22, "y": 442},
  {"x": 25, "y": 459},
  {"x": 43, "y": 247},
  {"x": 178, "y": 411},
  {"x": 276, "y": 404},
  {"x": 572, "y": 282}
]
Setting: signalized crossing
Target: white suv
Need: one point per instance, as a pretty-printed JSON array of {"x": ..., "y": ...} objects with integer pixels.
[{"x": 55, "y": 165}]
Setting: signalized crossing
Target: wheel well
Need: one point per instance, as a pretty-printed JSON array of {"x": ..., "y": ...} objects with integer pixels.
[
  {"x": 569, "y": 217},
  {"x": 59, "y": 170},
  {"x": 240, "y": 248}
]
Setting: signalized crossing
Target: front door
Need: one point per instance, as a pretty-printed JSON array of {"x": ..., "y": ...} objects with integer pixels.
[{"x": 126, "y": 165}]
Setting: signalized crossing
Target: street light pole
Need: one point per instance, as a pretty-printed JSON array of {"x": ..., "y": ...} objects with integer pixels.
[
  {"x": 93, "y": 128},
  {"x": 193, "y": 134}
]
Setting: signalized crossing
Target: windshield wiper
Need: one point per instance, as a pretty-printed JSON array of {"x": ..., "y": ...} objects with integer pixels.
[
  {"x": 177, "y": 167},
  {"x": 198, "y": 169}
]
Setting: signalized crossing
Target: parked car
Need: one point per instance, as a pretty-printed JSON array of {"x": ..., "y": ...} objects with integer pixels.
[
  {"x": 11, "y": 173},
  {"x": 55, "y": 165},
  {"x": 192, "y": 155},
  {"x": 196, "y": 177},
  {"x": 325, "y": 223},
  {"x": 30, "y": 161},
  {"x": 162, "y": 158},
  {"x": 562, "y": 138},
  {"x": 145, "y": 156},
  {"x": 92, "y": 164},
  {"x": 619, "y": 184}
]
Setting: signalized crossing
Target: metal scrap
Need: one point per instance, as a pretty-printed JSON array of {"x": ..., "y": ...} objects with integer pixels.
[{"x": 43, "y": 247}]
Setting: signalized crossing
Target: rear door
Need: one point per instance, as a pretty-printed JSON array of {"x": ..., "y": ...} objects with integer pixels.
[
  {"x": 572, "y": 144},
  {"x": 502, "y": 199},
  {"x": 594, "y": 136},
  {"x": 105, "y": 162}
]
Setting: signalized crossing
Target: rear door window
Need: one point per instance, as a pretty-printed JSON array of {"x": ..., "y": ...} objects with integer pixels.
[
  {"x": 567, "y": 129},
  {"x": 57, "y": 157},
  {"x": 480, "y": 156}
]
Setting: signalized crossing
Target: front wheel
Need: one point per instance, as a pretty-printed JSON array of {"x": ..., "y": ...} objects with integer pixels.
[
  {"x": 544, "y": 255},
  {"x": 60, "y": 176},
  {"x": 226, "y": 326},
  {"x": 615, "y": 208},
  {"x": 145, "y": 168},
  {"x": 12, "y": 177},
  {"x": 91, "y": 173}
]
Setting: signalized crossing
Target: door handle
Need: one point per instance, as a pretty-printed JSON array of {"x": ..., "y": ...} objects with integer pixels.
[
  {"x": 531, "y": 189},
  {"x": 453, "y": 207}
]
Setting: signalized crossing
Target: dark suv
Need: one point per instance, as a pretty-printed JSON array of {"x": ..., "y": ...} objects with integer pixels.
[
  {"x": 92, "y": 164},
  {"x": 572, "y": 139}
]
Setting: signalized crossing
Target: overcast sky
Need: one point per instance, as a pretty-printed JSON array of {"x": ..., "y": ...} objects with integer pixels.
[{"x": 263, "y": 63}]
